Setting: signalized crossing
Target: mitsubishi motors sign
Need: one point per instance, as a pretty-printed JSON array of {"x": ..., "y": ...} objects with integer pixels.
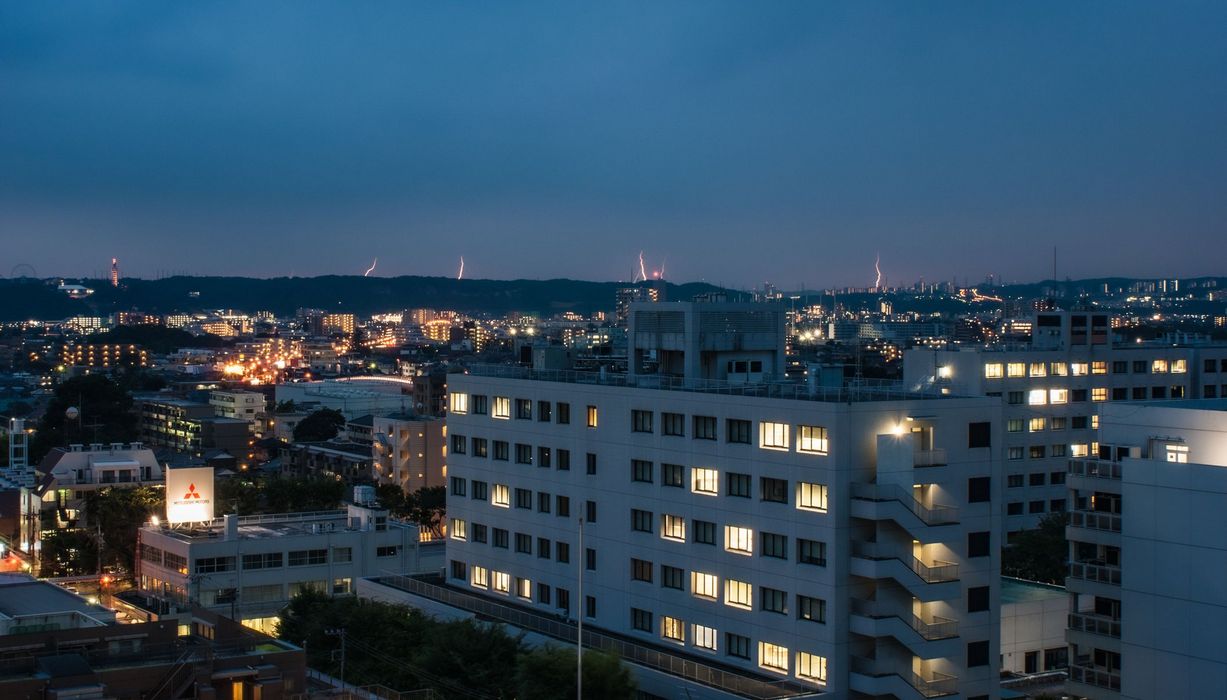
[{"x": 189, "y": 495}]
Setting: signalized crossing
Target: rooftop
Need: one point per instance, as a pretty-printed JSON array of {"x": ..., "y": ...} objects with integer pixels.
[
  {"x": 1016, "y": 590},
  {"x": 23, "y": 595},
  {"x": 857, "y": 390},
  {"x": 254, "y": 527}
]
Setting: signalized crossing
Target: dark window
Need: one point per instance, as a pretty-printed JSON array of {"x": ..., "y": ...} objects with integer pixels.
[
  {"x": 564, "y": 413},
  {"x": 673, "y": 424},
  {"x": 1078, "y": 396},
  {"x": 524, "y": 409},
  {"x": 641, "y": 620},
  {"x": 590, "y": 559},
  {"x": 1056, "y": 478},
  {"x": 459, "y": 570},
  {"x": 673, "y": 475},
  {"x": 501, "y": 450},
  {"x": 774, "y": 490},
  {"x": 543, "y": 593},
  {"x": 736, "y": 645},
  {"x": 590, "y": 511},
  {"x": 1139, "y": 367},
  {"x": 562, "y": 552},
  {"x": 388, "y": 551},
  {"x": 672, "y": 577},
  {"x": 1120, "y": 367},
  {"x": 1014, "y": 397},
  {"x": 738, "y": 484},
  {"x": 479, "y": 404},
  {"x": 641, "y": 421},
  {"x": 641, "y": 520},
  {"x": 524, "y": 498},
  {"x": 481, "y": 448},
  {"x": 1211, "y": 366},
  {"x": 1057, "y": 505},
  {"x": 641, "y": 570},
  {"x": 544, "y": 457},
  {"x": 458, "y": 444},
  {"x": 704, "y": 532},
  {"x": 479, "y": 533},
  {"x": 811, "y": 552},
  {"x": 979, "y": 489},
  {"x": 562, "y": 506},
  {"x": 979, "y": 435},
  {"x": 978, "y": 544},
  {"x": 641, "y": 470},
  {"x": 543, "y": 411},
  {"x": 562, "y": 599},
  {"x": 977, "y": 654},
  {"x": 1056, "y": 658},
  {"x": 1015, "y": 508},
  {"x": 1036, "y": 479},
  {"x": 524, "y": 543},
  {"x": 812, "y": 609},
  {"x": 1079, "y": 422},
  {"x": 1139, "y": 393},
  {"x": 1014, "y": 481},
  {"x": 591, "y": 463},
  {"x": 543, "y": 502},
  {"x": 564, "y": 460},
  {"x": 1035, "y": 507},
  {"x": 500, "y": 538},
  {"x": 737, "y": 431},
  {"x": 704, "y": 427},
  {"x": 459, "y": 486},
  {"x": 543, "y": 547},
  {"x": 773, "y": 600},
  {"x": 1120, "y": 393},
  {"x": 524, "y": 454},
  {"x": 479, "y": 490},
  {"x": 590, "y": 606},
  {"x": 978, "y": 599},
  {"x": 774, "y": 545}
]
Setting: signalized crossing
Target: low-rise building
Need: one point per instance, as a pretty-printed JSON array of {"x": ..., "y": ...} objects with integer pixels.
[
  {"x": 243, "y": 405},
  {"x": 1032, "y": 626},
  {"x": 69, "y": 473},
  {"x": 188, "y": 426}
]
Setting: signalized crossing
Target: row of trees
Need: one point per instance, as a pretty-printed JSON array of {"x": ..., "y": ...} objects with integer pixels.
[{"x": 403, "y": 649}]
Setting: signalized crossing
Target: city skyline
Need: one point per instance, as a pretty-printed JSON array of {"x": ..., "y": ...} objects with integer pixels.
[{"x": 732, "y": 145}]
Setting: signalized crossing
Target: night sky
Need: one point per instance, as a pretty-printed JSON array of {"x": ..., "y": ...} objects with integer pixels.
[{"x": 736, "y": 143}]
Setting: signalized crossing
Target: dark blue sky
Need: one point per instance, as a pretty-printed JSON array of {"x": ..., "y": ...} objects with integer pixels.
[{"x": 737, "y": 142}]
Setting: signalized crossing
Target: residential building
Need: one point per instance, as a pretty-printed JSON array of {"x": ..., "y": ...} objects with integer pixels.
[
  {"x": 839, "y": 540},
  {"x": 353, "y": 398},
  {"x": 350, "y": 462},
  {"x": 69, "y": 473},
  {"x": 1148, "y": 566},
  {"x": 242, "y": 405},
  {"x": 1053, "y": 389},
  {"x": 191, "y": 427},
  {"x": 1033, "y": 617},
  {"x": 410, "y": 451},
  {"x": 103, "y": 355}
]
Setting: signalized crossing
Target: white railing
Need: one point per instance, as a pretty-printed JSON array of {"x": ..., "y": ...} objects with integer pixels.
[
  {"x": 1095, "y": 624},
  {"x": 930, "y": 515},
  {"x": 1093, "y": 520},
  {"x": 1095, "y": 469},
  {"x": 1095, "y": 572}
]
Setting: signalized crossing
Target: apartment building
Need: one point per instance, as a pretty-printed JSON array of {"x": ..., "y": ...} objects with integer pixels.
[
  {"x": 409, "y": 450},
  {"x": 821, "y": 540},
  {"x": 242, "y": 405},
  {"x": 1052, "y": 391},
  {"x": 1148, "y": 565},
  {"x": 68, "y": 474},
  {"x": 191, "y": 427}
]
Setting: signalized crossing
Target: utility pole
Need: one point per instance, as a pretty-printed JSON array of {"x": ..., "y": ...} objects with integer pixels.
[
  {"x": 339, "y": 632},
  {"x": 579, "y": 606}
]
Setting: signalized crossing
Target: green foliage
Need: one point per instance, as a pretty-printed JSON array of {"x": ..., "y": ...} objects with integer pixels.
[
  {"x": 118, "y": 513},
  {"x": 426, "y": 506},
  {"x": 248, "y": 494},
  {"x": 548, "y": 673},
  {"x": 1041, "y": 554},
  {"x": 284, "y": 407},
  {"x": 158, "y": 339},
  {"x": 68, "y": 553},
  {"x": 322, "y": 425},
  {"x": 106, "y": 415}
]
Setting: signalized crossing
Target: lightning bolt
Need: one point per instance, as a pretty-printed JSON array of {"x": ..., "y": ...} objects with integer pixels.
[
  {"x": 460, "y": 275},
  {"x": 877, "y": 283},
  {"x": 371, "y": 269},
  {"x": 662, "y": 267},
  {"x": 643, "y": 273}
]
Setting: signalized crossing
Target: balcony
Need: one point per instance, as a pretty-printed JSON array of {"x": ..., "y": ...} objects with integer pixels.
[
  {"x": 882, "y": 620},
  {"x": 1094, "y": 624},
  {"x": 1097, "y": 677},
  {"x": 1098, "y": 573},
  {"x": 933, "y": 685},
  {"x": 929, "y": 458},
  {"x": 1095, "y": 469},
  {"x": 887, "y": 493},
  {"x": 1094, "y": 520}
]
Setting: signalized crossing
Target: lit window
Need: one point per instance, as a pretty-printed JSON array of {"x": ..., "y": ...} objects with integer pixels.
[
  {"x": 705, "y": 481},
  {"x": 811, "y": 496},
  {"x": 703, "y": 637},
  {"x": 459, "y": 403},
  {"x": 672, "y": 629},
  {"x": 1179, "y": 367},
  {"x": 812, "y": 438},
  {"x": 773, "y": 657},
  {"x": 500, "y": 495},
  {"x": 1077, "y": 450},
  {"x": 502, "y": 407},
  {"x": 1038, "y": 369},
  {"x": 1037, "y": 397},
  {"x": 738, "y": 594},
  {"x": 1095, "y": 448},
  {"x": 502, "y": 581},
  {"x": 704, "y": 585},
  {"x": 992, "y": 370},
  {"x": 592, "y": 416},
  {"x": 1059, "y": 369},
  {"x": 1095, "y": 422},
  {"x": 1178, "y": 453},
  {"x": 1099, "y": 367},
  {"x": 1036, "y": 425},
  {"x": 524, "y": 588},
  {"x": 811, "y": 667},
  {"x": 672, "y": 527},
  {"x": 1079, "y": 369},
  {"x": 1016, "y": 369},
  {"x": 1099, "y": 394},
  {"x": 459, "y": 529},
  {"x": 1158, "y": 367},
  {"x": 481, "y": 577},
  {"x": 738, "y": 539},
  {"x": 773, "y": 436},
  {"x": 1058, "y": 396}
]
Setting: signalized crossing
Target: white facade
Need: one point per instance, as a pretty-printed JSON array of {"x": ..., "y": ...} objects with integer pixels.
[
  {"x": 829, "y": 544},
  {"x": 253, "y": 565},
  {"x": 1148, "y": 563},
  {"x": 410, "y": 452},
  {"x": 243, "y": 405},
  {"x": 352, "y": 398},
  {"x": 1052, "y": 393},
  {"x": 70, "y": 473},
  {"x": 1032, "y": 627}
]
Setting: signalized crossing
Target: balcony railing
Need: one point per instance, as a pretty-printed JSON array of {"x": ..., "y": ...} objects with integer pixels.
[
  {"x": 1098, "y": 573},
  {"x": 933, "y": 629},
  {"x": 1095, "y": 468},
  {"x": 743, "y": 684},
  {"x": 1094, "y": 624},
  {"x": 929, "y": 458},
  {"x": 1095, "y": 676},
  {"x": 1093, "y": 520},
  {"x": 934, "y": 686},
  {"x": 937, "y": 572},
  {"x": 930, "y": 515}
]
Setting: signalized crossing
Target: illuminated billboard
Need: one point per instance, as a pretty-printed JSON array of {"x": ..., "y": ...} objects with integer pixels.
[{"x": 189, "y": 495}]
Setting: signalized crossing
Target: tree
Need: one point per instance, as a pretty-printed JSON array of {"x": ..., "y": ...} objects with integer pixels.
[
  {"x": 322, "y": 425},
  {"x": 68, "y": 553},
  {"x": 285, "y": 407},
  {"x": 427, "y": 507},
  {"x": 548, "y": 673},
  {"x": 118, "y": 513},
  {"x": 1041, "y": 554},
  {"x": 105, "y": 415}
]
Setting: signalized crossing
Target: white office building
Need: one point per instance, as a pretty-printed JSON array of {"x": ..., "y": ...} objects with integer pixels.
[
  {"x": 1148, "y": 563},
  {"x": 805, "y": 539},
  {"x": 1052, "y": 391},
  {"x": 243, "y": 405}
]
